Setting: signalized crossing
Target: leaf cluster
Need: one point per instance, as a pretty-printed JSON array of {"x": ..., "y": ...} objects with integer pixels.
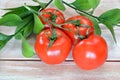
[{"x": 26, "y": 23}]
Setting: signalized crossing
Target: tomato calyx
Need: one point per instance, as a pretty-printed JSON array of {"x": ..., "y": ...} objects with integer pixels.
[
  {"x": 53, "y": 16},
  {"x": 82, "y": 37},
  {"x": 75, "y": 22},
  {"x": 52, "y": 38}
]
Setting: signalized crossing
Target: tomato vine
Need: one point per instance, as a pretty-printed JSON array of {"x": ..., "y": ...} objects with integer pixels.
[{"x": 26, "y": 19}]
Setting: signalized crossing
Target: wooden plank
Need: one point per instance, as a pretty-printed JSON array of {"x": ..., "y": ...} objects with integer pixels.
[
  {"x": 36, "y": 70},
  {"x": 13, "y": 51}
]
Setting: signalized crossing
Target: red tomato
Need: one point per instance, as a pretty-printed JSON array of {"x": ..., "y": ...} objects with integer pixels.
[
  {"x": 58, "y": 52},
  {"x": 90, "y": 53},
  {"x": 53, "y": 15},
  {"x": 76, "y": 29}
]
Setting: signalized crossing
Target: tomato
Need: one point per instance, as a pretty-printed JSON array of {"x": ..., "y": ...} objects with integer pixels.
[
  {"x": 90, "y": 53},
  {"x": 53, "y": 15},
  {"x": 58, "y": 51},
  {"x": 79, "y": 27}
]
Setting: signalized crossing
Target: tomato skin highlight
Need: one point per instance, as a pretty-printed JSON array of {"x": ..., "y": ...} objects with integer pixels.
[
  {"x": 74, "y": 29},
  {"x": 58, "y": 52},
  {"x": 90, "y": 53},
  {"x": 59, "y": 16}
]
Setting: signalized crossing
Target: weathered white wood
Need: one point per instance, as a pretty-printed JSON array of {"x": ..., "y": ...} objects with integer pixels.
[
  {"x": 25, "y": 69},
  {"x": 35, "y": 70},
  {"x": 13, "y": 48}
]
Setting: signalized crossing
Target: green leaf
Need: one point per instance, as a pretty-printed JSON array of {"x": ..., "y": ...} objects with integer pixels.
[
  {"x": 4, "y": 39},
  {"x": 94, "y": 3},
  {"x": 10, "y": 20},
  {"x": 96, "y": 26},
  {"x": 22, "y": 8},
  {"x": 43, "y": 5},
  {"x": 86, "y": 5},
  {"x": 38, "y": 25},
  {"x": 25, "y": 23},
  {"x": 112, "y": 16},
  {"x": 28, "y": 29},
  {"x": 21, "y": 11},
  {"x": 59, "y": 4},
  {"x": 110, "y": 27},
  {"x": 81, "y": 4},
  {"x": 118, "y": 25},
  {"x": 27, "y": 50}
]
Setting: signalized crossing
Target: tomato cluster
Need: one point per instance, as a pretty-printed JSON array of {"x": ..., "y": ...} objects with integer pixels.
[{"x": 54, "y": 44}]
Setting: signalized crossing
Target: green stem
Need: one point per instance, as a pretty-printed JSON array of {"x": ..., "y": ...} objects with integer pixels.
[
  {"x": 21, "y": 29},
  {"x": 33, "y": 11},
  {"x": 47, "y": 4},
  {"x": 43, "y": 7},
  {"x": 80, "y": 10},
  {"x": 52, "y": 38},
  {"x": 29, "y": 9}
]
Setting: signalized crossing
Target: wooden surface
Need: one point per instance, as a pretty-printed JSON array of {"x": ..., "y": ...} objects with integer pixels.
[
  {"x": 35, "y": 70},
  {"x": 13, "y": 66}
]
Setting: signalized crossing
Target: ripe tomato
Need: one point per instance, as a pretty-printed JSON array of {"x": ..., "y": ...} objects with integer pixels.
[
  {"x": 79, "y": 27},
  {"x": 90, "y": 53},
  {"x": 59, "y": 50},
  {"x": 53, "y": 15}
]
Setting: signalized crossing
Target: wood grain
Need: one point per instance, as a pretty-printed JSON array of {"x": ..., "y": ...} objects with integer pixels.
[
  {"x": 35, "y": 70},
  {"x": 13, "y": 51}
]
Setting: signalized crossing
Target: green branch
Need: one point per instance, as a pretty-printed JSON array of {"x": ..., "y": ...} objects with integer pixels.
[
  {"x": 80, "y": 10},
  {"x": 47, "y": 4}
]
